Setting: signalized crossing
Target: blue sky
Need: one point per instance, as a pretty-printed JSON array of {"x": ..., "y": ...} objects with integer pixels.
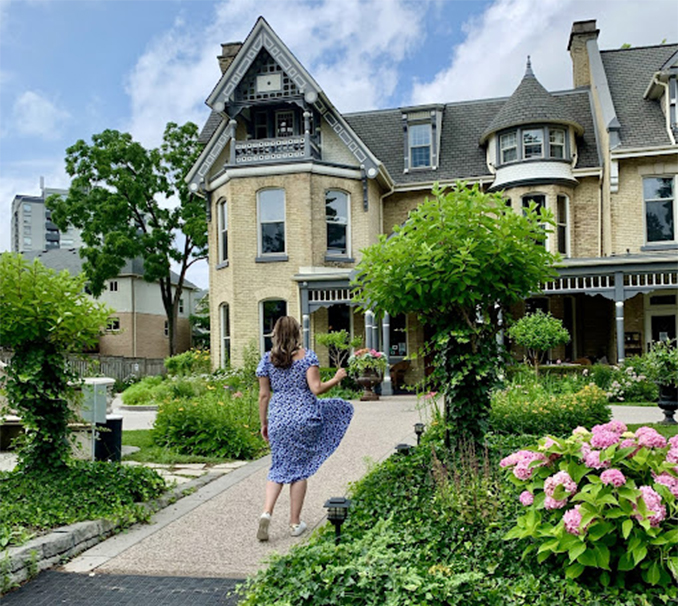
[{"x": 72, "y": 68}]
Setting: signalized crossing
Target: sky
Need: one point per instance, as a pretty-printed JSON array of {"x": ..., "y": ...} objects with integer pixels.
[{"x": 73, "y": 68}]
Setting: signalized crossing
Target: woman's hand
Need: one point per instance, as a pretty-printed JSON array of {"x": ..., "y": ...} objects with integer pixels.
[
  {"x": 264, "y": 432},
  {"x": 340, "y": 375}
]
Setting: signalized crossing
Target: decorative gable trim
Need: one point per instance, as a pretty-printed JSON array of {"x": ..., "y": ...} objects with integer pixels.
[{"x": 197, "y": 176}]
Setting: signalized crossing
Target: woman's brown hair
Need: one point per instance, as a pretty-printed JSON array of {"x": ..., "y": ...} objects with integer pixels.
[{"x": 286, "y": 341}]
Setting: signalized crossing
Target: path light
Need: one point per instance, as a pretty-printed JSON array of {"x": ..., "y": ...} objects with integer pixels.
[
  {"x": 418, "y": 429},
  {"x": 403, "y": 449},
  {"x": 337, "y": 512}
]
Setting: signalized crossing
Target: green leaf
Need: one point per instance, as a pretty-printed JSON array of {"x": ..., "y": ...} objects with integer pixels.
[
  {"x": 575, "y": 551},
  {"x": 653, "y": 573},
  {"x": 627, "y": 527},
  {"x": 574, "y": 570}
]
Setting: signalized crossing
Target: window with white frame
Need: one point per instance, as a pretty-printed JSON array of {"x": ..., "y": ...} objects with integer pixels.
[
  {"x": 419, "y": 138},
  {"x": 222, "y": 226},
  {"x": 113, "y": 324},
  {"x": 556, "y": 143},
  {"x": 336, "y": 217},
  {"x": 113, "y": 286},
  {"x": 271, "y": 209},
  {"x": 509, "y": 147},
  {"x": 660, "y": 209},
  {"x": 673, "y": 101},
  {"x": 225, "y": 335},
  {"x": 540, "y": 201},
  {"x": 533, "y": 142},
  {"x": 284, "y": 123},
  {"x": 181, "y": 305},
  {"x": 270, "y": 312},
  {"x": 166, "y": 328},
  {"x": 562, "y": 225}
]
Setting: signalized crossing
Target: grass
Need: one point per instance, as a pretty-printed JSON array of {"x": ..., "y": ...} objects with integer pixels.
[
  {"x": 650, "y": 404},
  {"x": 151, "y": 453},
  {"x": 667, "y": 431}
]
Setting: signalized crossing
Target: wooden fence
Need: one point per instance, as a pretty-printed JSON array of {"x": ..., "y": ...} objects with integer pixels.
[{"x": 115, "y": 367}]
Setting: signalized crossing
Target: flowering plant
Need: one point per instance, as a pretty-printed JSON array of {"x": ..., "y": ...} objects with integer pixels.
[
  {"x": 366, "y": 359},
  {"x": 662, "y": 363},
  {"x": 605, "y": 499}
]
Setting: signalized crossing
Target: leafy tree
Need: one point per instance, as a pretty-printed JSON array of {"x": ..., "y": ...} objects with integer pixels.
[
  {"x": 339, "y": 345},
  {"x": 538, "y": 332},
  {"x": 200, "y": 323},
  {"x": 116, "y": 197},
  {"x": 460, "y": 258},
  {"x": 43, "y": 316}
]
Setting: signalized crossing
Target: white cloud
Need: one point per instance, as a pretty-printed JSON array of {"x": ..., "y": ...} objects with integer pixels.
[
  {"x": 352, "y": 48},
  {"x": 35, "y": 115},
  {"x": 491, "y": 60}
]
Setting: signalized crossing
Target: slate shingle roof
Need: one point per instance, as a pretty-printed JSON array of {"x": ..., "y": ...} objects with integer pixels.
[
  {"x": 629, "y": 72},
  {"x": 530, "y": 103}
]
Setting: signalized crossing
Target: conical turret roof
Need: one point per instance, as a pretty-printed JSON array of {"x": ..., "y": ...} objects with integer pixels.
[{"x": 530, "y": 103}]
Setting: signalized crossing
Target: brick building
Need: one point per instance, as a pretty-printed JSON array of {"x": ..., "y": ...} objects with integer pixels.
[{"x": 295, "y": 190}]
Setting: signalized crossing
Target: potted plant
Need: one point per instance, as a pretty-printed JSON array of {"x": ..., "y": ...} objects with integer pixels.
[
  {"x": 367, "y": 366},
  {"x": 662, "y": 368}
]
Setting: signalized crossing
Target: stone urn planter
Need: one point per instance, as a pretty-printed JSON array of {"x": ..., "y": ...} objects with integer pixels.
[
  {"x": 368, "y": 381},
  {"x": 668, "y": 402}
]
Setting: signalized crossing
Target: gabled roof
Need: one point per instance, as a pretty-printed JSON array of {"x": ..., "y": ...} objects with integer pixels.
[
  {"x": 628, "y": 73},
  {"x": 70, "y": 260},
  {"x": 530, "y": 103}
]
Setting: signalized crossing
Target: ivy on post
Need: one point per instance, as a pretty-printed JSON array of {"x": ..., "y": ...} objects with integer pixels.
[{"x": 460, "y": 258}]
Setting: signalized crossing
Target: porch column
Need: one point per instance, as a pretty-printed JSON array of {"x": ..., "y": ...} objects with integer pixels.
[
  {"x": 386, "y": 387},
  {"x": 375, "y": 333},
  {"x": 619, "y": 313},
  {"x": 305, "y": 316},
  {"x": 307, "y": 134},
  {"x": 369, "y": 321},
  {"x": 232, "y": 125}
]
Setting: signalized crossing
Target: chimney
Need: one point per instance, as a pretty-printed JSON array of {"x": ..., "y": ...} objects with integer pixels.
[
  {"x": 582, "y": 32},
  {"x": 228, "y": 52}
]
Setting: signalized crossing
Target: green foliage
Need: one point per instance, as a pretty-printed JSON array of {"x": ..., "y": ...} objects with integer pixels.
[
  {"x": 200, "y": 323},
  {"x": 662, "y": 363},
  {"x": 339, "y": 345},
  {"x": 366, "y": 360},
  {"x": 537, "y": 333},
  {"x": 150, "y": 452},
  {"x": 458, "y": 260},
  {"x": 348, "y": 389},
  {"x": 220, "y": 423},
  {"x": 115, "y": 200},
  {"x": 612, "y": 532},
  {"x": 534, "y": 410},
  {"x": 43, "y": 316},
  {"x": 33, "y": 503},
  {"x": 194, "y": 361},
  {"x": 147, "y": 392},
  {"x": 404, "y": 545}
]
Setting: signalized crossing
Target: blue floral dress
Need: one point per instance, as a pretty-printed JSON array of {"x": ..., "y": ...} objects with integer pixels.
[{"x": 303, "y": 430}]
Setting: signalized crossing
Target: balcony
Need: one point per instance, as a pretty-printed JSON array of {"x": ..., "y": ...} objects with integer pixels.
[{"x": 280, "y": 149}]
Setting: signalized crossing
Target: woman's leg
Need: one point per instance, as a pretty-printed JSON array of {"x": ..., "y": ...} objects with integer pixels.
[
  {"x": 273, "y": 490},
  {"x": 297, "y": 494}
]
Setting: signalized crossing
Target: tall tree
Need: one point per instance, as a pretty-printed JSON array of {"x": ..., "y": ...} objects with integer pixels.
[
  {"x": 460, "y": 258},
  {"x": 121, "y": 197}
]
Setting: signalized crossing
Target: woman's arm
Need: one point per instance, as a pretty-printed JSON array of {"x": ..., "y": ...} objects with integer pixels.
[
  {"x": 317, "y": 386},
  {"x": 264, "y": 399}
]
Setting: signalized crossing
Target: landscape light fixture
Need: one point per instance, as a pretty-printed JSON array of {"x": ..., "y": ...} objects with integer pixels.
[
  {"x": 337, "y": 512},
  {"x": 403, "y": 449},
  {"x": 418, "y": 429}
]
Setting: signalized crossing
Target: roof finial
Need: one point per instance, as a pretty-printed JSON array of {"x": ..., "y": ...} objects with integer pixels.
[{"x": 528, "y": 70}]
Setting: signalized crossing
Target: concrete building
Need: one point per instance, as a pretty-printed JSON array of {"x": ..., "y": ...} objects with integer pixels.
[
  {"x": 295, "y": 190},
  {"x": 137, "y": 328},
  {"x": 32, "y": 228}
]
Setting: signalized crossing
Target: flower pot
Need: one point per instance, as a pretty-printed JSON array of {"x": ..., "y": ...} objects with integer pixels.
[
  {"x": 368, "y": 381},
  {"x": 668, "y": 402}
]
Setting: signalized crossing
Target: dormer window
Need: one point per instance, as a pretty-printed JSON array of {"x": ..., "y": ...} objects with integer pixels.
[
  {"x": 420, "y": 145},
  {"x": 535, "y": 143},
  {"x": 673, "y": 101},
  {"x": 421, "y": 130}
]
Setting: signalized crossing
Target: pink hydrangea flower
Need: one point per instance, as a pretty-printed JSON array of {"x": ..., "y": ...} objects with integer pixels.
[
  {"x": 526, "y": 498},
  {"x": 614, "y": 426},
  {"x": 514, "y": 458},
  {"x": 572, "y": 520},
  {"x": 522, "y": 460},
  {"x": 593, "y": 461},
  {"x": 580, "y": 431},
  {"x": 650, "y": 438},
  {"x": 653, "y": 502},
  {"x": 551, "y": 503},
  {"x": 669, "y": 481},
  {"x": 585, "y": 449},
  {"x": 604, "y": 438},
  {"x": 549, "y": 441},
  {"x": 673, "y": 441},
  {"x": 672, "y": 455},
  {"x": 614, "y": 477},
  {"x": 561, "y": 478}
]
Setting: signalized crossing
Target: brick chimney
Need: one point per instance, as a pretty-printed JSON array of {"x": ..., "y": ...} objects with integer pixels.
[
  {"x": 228, "y": 52},
  {"x": 582, "y": 32}
]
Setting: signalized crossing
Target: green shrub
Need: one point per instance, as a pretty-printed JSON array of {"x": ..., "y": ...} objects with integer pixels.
[
  {"x": 628, "y": 382},
  {"x": 538, "y": 332},
  {"x": 219, "y": 423},
  {"x": 141, "y": 393},
  {"x": 192, "y": 362},
  {"x": 519, "y": 411},
  {"x": 347, "y": 390},
  {"x": 153, "y": 391},
  {"x": 33, "y": 503}
]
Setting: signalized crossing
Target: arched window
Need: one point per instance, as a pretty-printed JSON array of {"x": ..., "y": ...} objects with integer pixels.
[{"x": 269, "y": 313}]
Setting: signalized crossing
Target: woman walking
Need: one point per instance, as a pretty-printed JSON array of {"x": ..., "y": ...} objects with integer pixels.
[{"x": 302, "y": 430}]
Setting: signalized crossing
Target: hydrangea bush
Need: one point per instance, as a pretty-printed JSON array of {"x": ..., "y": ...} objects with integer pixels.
[{"x": 605, "y": 499}]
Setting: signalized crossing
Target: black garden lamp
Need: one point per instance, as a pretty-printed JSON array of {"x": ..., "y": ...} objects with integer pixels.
[
  {"x": 337, "y": 512},
  {"x": 418, "y": 429},
  {"x": 403, "y": 449}
]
